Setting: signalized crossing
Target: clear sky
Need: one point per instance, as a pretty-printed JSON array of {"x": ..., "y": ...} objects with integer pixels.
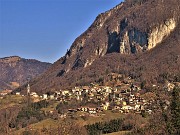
[{"x": 45, "y": 29}]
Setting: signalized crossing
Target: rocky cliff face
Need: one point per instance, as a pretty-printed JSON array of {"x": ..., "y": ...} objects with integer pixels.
[
  {"x": 130, "y": 38},
  {"x": 134, "y": 41},
  {"x": 160, "y": 32},
  {"x": 16, "y": 70},
  {"x": 12, "y": 59},
  {"x": 118, "y": 30}
]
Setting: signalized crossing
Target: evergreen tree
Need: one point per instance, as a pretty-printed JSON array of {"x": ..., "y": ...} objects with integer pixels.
[{"x": 175, "y": 110}]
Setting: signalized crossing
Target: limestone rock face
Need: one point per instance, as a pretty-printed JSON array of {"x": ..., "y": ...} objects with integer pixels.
[
  {"x": 160, "y": 32},
  {"x": 134, "y": 41}
]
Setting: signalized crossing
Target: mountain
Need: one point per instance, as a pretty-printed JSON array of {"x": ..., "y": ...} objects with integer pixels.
[
  {"x": 137, "y": 38},
  {"x": 14, "y": 71}
]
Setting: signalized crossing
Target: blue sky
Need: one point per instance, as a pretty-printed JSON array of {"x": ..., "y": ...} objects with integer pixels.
[{"x": 45, "y": 29}]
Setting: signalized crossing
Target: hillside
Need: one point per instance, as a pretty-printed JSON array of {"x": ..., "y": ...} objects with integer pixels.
[
  {"x": 14, "y": 71},
  {"x": 137, "y": 38}
]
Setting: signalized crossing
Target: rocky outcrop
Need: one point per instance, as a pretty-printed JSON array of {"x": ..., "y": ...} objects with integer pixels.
[
  {"x": 134, "y": 41},
  {"x": 86, "y": 39},
  {"x": 11, "y": 59},
  {"x": 158, "y": 33}
]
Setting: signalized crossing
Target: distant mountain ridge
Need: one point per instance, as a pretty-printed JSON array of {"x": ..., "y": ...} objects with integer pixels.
[
  {"x": 137, "y": 38},
  {"x": 15, "y": 70}
]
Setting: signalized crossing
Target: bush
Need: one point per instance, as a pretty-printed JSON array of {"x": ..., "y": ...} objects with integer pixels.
[{"x": 104, "y": 128}]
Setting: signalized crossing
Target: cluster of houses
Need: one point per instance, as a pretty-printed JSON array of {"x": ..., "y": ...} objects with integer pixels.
[
  {"x": 94, "y": 99},
  {"x": 124, "y": 98},
  {"x": 4, "y": 92},
  {"x": 107, "y": 98}
]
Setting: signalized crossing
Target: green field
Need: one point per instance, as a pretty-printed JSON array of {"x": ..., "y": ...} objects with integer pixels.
[
  {"x": 81, "y": 118},
  {"x": 11, "y": 100},
  {"x": 50, "y": 123}
]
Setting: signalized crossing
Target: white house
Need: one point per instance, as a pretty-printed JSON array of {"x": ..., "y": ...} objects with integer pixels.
[
  {"x": 51, "y": 97},
  {"x": 17, "y": 93},
  {"x": 45, "y": 96},
  {"x": 34, "y": 94},
  {"x": 65, "y": 92}
]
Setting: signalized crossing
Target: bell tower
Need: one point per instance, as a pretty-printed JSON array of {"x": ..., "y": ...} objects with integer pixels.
[
  {"x": 28, "y": 89},
  {"x": 28, "y": 92}
]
